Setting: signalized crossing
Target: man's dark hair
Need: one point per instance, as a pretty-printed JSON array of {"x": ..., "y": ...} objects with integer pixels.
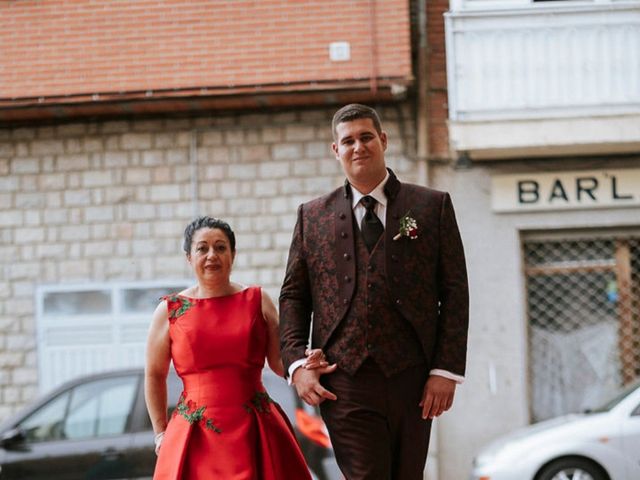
[
  {"x": 354, "y": 111},
  {"x": 207, "y": 222}
]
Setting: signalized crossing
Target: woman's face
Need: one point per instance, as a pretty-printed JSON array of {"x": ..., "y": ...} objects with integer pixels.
[{"x": 211, "y": 257}]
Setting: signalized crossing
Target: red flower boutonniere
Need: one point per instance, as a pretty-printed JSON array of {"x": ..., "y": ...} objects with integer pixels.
[{"x": 408, "y": 227}]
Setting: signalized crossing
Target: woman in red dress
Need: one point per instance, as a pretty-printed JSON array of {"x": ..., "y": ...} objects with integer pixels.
[{"x": 218, "y": 333}]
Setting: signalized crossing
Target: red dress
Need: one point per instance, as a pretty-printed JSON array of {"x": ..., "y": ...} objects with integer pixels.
[{"x": 225, "y": 426}]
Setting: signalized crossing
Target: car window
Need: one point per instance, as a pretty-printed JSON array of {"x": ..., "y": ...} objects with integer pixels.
[
  {"x": 100, "y": 408},
  {"x": 174, "y": 388},
  {"x": 45, "y": 424},
  {"x": 624, "y": 393}
]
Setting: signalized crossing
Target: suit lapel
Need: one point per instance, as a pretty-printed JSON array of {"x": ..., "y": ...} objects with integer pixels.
[{"x": 396, "y": 208}]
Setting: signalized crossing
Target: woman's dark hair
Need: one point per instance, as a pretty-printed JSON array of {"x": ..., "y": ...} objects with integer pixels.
[
  {"x": 207, "y": 222},
  {"x": 355, "y": 111}
]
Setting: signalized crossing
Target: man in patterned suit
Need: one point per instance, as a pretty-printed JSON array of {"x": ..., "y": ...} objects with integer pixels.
[{"x": 380, "y": 266}]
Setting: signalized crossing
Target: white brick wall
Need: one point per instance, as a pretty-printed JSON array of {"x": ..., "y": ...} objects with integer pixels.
[{"x": 106, "y": 201}]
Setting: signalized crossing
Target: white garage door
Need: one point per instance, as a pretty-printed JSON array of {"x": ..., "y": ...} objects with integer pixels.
[{"x": 89, "y": 328}]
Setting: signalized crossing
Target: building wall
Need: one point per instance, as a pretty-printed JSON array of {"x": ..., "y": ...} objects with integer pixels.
[
  {"x": 107, "y": 201},
  {"x": 53, "y": 48},
  {"x": 496, "y": 325},
  {"x": 495, "y": 397}
]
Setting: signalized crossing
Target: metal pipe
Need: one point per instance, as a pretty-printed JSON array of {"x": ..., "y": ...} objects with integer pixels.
[
  {"x": 373, "y": 51},
  {"x": 193, "y": 162},
  {"x": 422, "y": 114}
]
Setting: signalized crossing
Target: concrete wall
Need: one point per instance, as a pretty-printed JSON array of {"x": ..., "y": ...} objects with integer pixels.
[{"x": 498, "y": 324}]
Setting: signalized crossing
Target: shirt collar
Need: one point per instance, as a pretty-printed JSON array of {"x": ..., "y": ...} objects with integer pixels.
[{"x": 377, "y": 193}]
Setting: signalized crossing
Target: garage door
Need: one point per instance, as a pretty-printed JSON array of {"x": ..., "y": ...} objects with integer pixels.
[{"x": 89, "y": 328}]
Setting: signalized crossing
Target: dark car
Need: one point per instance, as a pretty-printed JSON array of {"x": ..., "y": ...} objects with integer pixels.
[{"x": 97, "y": 427}]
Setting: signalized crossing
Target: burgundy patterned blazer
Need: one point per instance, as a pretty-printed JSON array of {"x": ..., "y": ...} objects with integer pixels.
[{"x": 426, "y": 277}]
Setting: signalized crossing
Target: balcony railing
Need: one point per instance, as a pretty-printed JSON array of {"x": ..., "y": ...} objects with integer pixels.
[{"x": 544, "y": 61}]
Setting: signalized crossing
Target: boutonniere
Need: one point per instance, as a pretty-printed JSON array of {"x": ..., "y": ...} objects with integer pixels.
[{"x": 408, "y": 227}]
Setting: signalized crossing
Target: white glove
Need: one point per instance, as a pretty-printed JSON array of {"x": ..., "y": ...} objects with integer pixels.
[{"x": 158, "y": 441}]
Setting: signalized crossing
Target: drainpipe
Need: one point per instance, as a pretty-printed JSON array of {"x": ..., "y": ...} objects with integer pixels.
[
  {"x": 193, "y": 162},
  {"x": 422, "y": 114},
  {"x": 373, "y": 81}
]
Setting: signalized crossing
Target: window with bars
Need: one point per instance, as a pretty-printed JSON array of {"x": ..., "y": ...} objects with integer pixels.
[{"x": 583, "y": 313}]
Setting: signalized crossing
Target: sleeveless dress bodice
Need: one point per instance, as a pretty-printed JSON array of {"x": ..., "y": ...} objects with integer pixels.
[{"x": 225, "y": 425}]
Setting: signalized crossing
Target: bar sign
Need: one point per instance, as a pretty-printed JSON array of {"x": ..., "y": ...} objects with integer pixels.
[{"x": 565, "y": 190}]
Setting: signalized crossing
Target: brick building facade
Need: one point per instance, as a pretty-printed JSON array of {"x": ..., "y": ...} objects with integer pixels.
[{"x": 114, "y": 58}]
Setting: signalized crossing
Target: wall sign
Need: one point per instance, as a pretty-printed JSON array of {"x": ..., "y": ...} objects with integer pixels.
[{"x": 565, "y": 190}]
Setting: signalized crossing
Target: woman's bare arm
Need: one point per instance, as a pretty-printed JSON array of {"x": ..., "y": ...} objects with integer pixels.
[
  {"x": 270, "y": 315},
  {"x": 157, "y": 368}
]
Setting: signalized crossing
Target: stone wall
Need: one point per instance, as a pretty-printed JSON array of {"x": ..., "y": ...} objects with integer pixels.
[{"x": 106, "y": 201}]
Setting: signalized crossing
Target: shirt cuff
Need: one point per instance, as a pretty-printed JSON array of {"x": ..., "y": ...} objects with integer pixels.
[
  {"x": 293, "y": 367},
  {"x": 446, "y": 374}
]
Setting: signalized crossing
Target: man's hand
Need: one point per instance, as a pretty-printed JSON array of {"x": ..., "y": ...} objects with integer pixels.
[
  {"x": 315, "y": 359},
  {"x": 307, "y": 383},
  {"x": 437, "y": 396}
]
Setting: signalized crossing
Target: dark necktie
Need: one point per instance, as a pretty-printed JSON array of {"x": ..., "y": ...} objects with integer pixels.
[{"x": 371, "y": 226}]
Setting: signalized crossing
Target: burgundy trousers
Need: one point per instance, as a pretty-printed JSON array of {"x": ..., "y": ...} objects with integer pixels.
[{"x": 376, "y": 424}]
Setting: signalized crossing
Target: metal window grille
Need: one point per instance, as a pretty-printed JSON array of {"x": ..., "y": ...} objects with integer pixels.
[{"x": 583, "y": 318}]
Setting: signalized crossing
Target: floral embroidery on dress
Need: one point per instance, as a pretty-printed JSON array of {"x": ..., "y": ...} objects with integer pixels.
[
  {"x": 185, "y": 305},
  {"x": 194, "y": 414},
  {"x": 259, "y": 403}
]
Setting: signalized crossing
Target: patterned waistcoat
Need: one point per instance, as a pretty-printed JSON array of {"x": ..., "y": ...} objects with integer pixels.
[{"x": 372, "y": 326}]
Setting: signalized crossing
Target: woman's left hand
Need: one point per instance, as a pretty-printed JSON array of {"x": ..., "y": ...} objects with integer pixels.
[
  {"x": 158, "y": 441},
  {"x": 315, "y": 359}
]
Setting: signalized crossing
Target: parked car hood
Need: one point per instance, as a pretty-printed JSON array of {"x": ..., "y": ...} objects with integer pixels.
[{"x": 557, "y": 430}]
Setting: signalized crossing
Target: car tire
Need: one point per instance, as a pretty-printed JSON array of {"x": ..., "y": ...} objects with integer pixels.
[{"x": 572, "y": 468}]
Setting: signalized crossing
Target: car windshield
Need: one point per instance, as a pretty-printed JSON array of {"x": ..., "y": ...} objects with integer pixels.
[{"x": 616, "y": 400}]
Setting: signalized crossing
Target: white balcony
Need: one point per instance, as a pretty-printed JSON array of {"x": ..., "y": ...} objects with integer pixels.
[{"x": 543, "y": 79}]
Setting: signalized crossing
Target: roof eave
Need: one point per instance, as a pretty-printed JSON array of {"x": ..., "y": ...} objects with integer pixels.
[{"x": 18, "y": 111}]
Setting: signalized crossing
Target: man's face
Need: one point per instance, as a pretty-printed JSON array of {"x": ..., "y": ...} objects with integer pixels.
[{"x": 360, "y": 150}]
